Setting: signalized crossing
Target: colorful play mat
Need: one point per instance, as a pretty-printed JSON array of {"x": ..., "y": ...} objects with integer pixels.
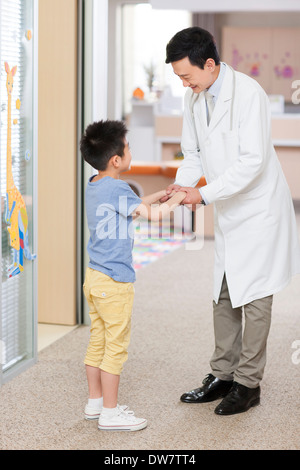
[{"x": 154, "y": 240}]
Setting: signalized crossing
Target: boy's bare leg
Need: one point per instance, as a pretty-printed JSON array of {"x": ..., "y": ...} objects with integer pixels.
[
  {"x": 93, "y": 375},
  {"x": 110, "y": 387}
]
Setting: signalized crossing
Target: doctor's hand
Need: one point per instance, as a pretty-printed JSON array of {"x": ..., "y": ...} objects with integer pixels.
[
  {"x": 193, "y": 197},
  {"x": 170, "y": 191}
]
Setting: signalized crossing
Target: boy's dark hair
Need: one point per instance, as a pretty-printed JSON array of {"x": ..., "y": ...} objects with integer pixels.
[
  {"x": 101, "y": 141},
  {"x": 195, "y": 43}
]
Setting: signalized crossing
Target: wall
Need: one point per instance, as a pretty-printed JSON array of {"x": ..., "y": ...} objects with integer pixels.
[{"x": 57, "y": 161}]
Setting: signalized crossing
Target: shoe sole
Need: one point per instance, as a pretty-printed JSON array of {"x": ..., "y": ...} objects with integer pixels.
[
  {"x": 136, "y": 427},
  {"x": 254, "y": 403},
  {"x": 206, "y": 400}
]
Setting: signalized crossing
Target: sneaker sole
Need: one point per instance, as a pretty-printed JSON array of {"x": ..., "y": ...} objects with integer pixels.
[
  {"x": 91, "y": 417},
  {"x": 136, "y": 427}
]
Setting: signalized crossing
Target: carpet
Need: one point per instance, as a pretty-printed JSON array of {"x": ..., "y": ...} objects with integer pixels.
[
  {"x": 171, "y": 344},
  {"x": 154, "y": 240}
]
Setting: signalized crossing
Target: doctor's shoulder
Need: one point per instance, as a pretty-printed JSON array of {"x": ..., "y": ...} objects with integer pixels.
[
  {"x": 248, "y": 90},
  {"x": 247, "y": 85}
]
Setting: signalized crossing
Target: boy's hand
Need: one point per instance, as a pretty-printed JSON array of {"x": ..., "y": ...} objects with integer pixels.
[{"x": 170, "y": 191}]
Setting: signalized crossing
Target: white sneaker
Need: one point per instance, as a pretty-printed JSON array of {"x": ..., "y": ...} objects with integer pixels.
[
  {"x": 123, "y": 420},
  {"x": 94, "y": 413}
]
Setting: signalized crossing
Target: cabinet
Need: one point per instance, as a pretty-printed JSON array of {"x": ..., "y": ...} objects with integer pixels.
[{"x": 269, "y": 55}]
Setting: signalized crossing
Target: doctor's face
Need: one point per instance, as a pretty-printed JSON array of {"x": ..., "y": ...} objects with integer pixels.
[{"x": 194, "y": 77}]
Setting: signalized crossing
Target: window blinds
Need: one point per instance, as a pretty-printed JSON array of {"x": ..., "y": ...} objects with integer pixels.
[{"x": 17, "y": 292}]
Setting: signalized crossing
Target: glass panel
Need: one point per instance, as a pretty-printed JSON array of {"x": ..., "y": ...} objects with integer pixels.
[{"x": 16, "y": 100}]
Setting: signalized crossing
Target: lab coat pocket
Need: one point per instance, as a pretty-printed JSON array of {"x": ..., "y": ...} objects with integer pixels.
[{"x": 230, "y": 140}]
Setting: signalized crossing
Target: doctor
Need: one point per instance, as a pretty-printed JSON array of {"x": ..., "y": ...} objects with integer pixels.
[{"x": 226, "y": 137}]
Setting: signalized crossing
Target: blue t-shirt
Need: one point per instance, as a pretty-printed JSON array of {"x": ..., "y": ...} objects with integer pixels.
[{"x": 109, "y": 205}]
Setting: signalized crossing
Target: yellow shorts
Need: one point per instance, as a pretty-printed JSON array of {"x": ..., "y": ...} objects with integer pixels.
[{"x": 110, "y": 303}]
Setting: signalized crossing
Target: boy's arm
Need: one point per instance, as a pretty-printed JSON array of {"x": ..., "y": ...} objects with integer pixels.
[
  {"x": 156, "y": 213},
  {"x": 151, "y": 198}
]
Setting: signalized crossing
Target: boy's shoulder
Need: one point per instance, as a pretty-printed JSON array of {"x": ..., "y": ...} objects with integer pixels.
[
  {"x": 107, "y": 181},
  {"x": 109, "y": 188},
  {"x": 123, "y": 186},
  {"x": 116, "y": 187}
]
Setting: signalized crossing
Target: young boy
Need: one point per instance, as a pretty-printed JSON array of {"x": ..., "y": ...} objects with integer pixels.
[{"x": 110, "y": 205}]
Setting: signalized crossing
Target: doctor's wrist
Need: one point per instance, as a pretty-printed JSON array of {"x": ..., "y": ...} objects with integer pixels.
[{"x": 203, "y": 200}]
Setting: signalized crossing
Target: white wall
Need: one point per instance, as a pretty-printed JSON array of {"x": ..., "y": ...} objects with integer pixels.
[{"x": 228, "y": 5}]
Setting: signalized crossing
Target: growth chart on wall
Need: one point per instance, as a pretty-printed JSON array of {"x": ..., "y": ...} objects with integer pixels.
[{"x": 16, "y": 213}]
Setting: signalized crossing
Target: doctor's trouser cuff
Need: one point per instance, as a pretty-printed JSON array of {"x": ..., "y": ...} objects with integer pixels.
[
  {"x": 110, "y": 314},
  {"x": 240, "y": 353}
]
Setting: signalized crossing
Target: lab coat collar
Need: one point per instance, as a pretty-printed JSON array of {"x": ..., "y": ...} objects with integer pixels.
[{"x": 222, "y": 105}]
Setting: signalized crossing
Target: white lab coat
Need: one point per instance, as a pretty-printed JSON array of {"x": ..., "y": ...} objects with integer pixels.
[{"x": 256, "y": 239}]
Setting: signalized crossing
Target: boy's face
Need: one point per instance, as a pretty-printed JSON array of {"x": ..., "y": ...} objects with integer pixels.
[{"x": 126, "y": 159}]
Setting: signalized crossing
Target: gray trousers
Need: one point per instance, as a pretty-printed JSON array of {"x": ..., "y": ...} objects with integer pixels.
[{"x": 240, "y": 343}]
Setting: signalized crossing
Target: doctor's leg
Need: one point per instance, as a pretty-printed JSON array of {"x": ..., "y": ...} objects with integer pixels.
[
  {"x": 228, "y": 336},
  {"x": 253, "y": 355}
]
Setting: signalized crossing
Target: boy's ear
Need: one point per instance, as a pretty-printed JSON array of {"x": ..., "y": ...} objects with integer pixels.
[{"x": 115, "y": 160}]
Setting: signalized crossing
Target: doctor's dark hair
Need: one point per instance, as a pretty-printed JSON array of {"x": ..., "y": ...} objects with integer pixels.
[
  {"x": 101, "y": 141},
  {"x": 195, "y": 43}
]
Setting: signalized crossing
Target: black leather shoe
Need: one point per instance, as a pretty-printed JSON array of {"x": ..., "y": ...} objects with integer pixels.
[
  {"x": 212, "y": 389},
  {"x": 238, "y": 400}
]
